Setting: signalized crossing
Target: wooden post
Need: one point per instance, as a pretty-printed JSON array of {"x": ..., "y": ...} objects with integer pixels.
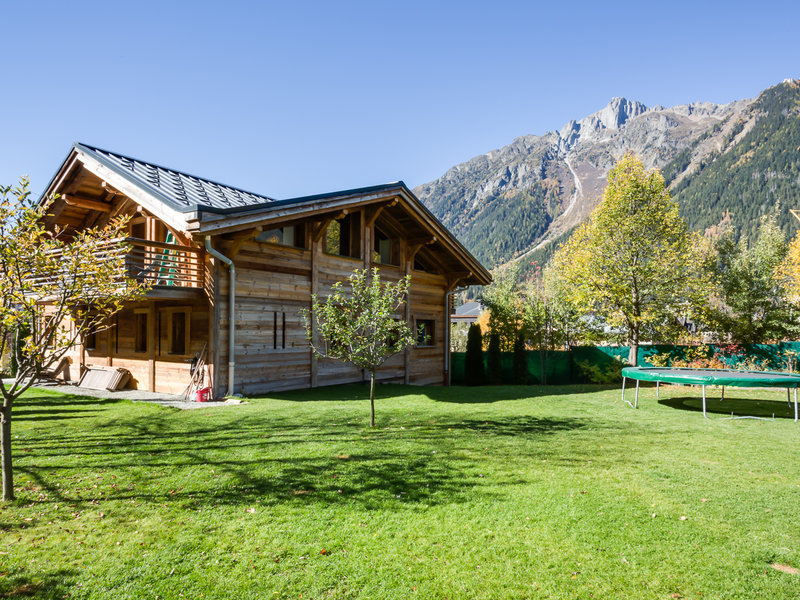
[
  {"x": 315, "y": 243},
  {"x": 151, "y": 345},
  {"x": 407, "y": 355}
]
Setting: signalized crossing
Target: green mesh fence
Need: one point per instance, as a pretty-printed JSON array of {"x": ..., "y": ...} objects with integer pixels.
[{"x": 602, "y": 364}]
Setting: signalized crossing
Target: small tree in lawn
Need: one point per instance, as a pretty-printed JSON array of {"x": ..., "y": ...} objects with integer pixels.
[
  {"x": 54, "y": 290},
  {"x": 360, "y": 325}
]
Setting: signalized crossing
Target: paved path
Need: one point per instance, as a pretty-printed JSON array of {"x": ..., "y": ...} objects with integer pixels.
[{"x": 172, "y": 400}]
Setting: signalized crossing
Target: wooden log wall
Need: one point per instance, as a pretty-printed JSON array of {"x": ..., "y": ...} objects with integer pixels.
[
  {"x": 156, "y": 369},
  {"x": 274, "y": 283}
]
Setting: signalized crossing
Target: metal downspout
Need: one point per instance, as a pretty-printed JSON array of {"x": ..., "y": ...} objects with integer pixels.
[{"x": 232, "y": 311}]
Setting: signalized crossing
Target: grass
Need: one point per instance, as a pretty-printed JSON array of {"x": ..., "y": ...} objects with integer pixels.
[{"x": 506, "y": 492}]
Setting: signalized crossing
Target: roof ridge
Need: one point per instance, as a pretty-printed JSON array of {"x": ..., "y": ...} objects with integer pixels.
[{"x": 124, "y": 157}]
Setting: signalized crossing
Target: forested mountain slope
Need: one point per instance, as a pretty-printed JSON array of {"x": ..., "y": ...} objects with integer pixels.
[
  {"x": 728, "y": 163},
  {"x": 748, "y": 170}
]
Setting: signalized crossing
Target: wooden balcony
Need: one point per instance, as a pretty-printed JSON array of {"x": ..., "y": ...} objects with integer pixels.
[{"x": 171, "y": 270}]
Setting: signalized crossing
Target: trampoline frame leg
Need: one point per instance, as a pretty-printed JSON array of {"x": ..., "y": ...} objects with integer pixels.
[
  {"x": 658, "y": 391},
  {"x": 723, "y": 393},
  {"x": 795, "y": 405},
  {"x": 623, "y": 389},
  {"x": 704, "y": 403},
  {"x": 636, "y": 398}
]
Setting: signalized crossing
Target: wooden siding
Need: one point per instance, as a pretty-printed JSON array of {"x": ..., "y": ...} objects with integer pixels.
[
  {"x": 154, "y": 370},
  {"x": 278, "y": 280}
]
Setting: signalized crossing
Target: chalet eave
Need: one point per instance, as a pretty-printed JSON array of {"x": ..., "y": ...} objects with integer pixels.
[{"x": 204, "y": 223}]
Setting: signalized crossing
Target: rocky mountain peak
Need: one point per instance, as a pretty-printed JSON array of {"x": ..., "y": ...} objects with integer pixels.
[
  {"x": 516, "y": 199},
  {"x": 617, "y": 112},
  {"x": 608, "y": 119}
]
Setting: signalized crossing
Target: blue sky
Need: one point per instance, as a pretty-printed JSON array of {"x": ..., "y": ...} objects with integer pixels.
[{"x": 294, "y": 98}]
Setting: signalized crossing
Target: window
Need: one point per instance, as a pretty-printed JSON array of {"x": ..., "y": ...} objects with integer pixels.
[
  {"x": 90, "y": 340},
  {"x": 425, "y": 332},
  {"x": 290, "y": 235},
  {"x": 140, "y": 343},
  {"x": 278, "y": 330},
  {"x": 384, "y": 249},
  {"x": 177, "y": 333},
  {"x": 343, "y": 236}
]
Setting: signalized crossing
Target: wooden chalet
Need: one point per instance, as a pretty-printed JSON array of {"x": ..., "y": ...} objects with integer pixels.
[{"x": 232, "y": 270}]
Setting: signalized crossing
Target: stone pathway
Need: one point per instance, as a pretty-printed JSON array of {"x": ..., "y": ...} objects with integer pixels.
[{"x": 172, "y": 400}]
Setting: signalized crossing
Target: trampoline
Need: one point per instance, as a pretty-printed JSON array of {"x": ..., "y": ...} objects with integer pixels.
[{"x": 704, "y": 377}]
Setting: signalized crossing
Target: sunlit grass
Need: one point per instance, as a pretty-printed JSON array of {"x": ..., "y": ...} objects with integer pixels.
[{"x": 507, "y": 492}]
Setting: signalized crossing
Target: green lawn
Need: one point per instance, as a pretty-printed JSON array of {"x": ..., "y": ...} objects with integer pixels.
[{"x": 507, "y": 492}]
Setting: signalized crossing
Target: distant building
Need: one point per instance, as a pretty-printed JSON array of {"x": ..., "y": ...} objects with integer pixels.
[{"x": 467, "y": 313}]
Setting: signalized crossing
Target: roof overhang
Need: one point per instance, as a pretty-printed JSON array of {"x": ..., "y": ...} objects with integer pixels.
[
  {"x": 201, "y": 220},
  {"x": 214, "y": 222},
  {"x": 149, "y": 199}
]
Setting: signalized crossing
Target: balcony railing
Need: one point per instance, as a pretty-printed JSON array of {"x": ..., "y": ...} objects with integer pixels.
[
  {"x": 162, "y": 264},
  {"x": 158, "y": 264}
]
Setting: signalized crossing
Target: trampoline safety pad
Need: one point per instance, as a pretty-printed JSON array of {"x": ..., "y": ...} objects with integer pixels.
[{"x": 704, "y": 377}]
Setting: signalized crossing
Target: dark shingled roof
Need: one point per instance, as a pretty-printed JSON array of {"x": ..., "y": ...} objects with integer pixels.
[
  {"x": 183, "y": 191},
  {"x": 186, "y": 193}
]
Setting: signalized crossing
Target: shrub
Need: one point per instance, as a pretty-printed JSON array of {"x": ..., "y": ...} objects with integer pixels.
[
  {"x": 494, "y": 368},
  {"x": 473, "y": 361},
  {"x": 520, "y": 368},
  {"x": 604, "y": 374}
]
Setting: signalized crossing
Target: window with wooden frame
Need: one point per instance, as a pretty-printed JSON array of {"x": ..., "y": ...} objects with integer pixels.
[
  {"x": 178, "y": 330},
  {"x": 384, "y": 249},
  {"x": 278, "y": 330},
  {"x": 141, "y": 341},
  {"x": 343, "y": 236},
  {"x": 289, "y": 235},
  {"x": 425, "y": 333},
  {"x": 90, "y": 340}
]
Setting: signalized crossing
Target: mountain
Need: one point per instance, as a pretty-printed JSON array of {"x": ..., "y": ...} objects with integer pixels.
[
  {"x": 723, "y": 161},
  {"x": 747, "y": 167}
]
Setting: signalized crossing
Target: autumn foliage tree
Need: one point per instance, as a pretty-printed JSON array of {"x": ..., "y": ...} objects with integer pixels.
[
  {"x": 787, "y": 272},
  {"x": 54, "y": 290},
  {"x": 360, "y": 325},
  {"x": 634, "y": 263},
  {"x": 751, "y": 306}
]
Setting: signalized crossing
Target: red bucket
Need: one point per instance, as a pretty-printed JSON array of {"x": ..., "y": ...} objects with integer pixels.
[{"x": 203, "y": 395}]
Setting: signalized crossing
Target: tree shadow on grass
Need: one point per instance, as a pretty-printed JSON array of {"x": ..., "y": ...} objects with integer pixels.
[
  {"x": 271, "y": 460},
  {"x": 450, "y": 394},
  {"x": 490, "y": 394},
  {"x": 61, "y": 400},
  {"x": 761, "y": 408},
  {"x": 54, "y": 585}
]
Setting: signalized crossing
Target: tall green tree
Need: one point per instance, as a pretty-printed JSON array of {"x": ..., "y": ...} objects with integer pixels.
[
  {"x": 634, "y": 263},
  {"x": 475, "y": 371},
  {"x": 520, "y": 362},
  {"x": 360, "y": 325},
  {"x": 494, "y": 367},
  {"x": 54, "y": 290},
  {"x": 752, "y": 305},
  {"x": 506, "y": 308}
]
